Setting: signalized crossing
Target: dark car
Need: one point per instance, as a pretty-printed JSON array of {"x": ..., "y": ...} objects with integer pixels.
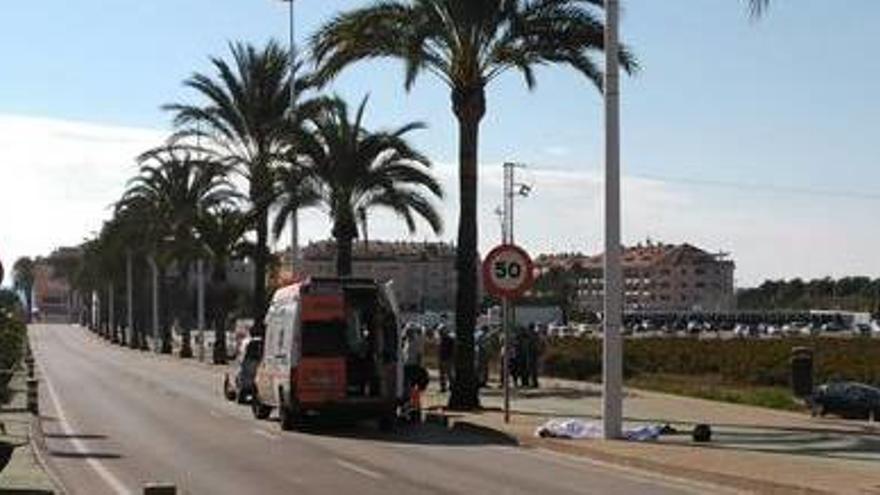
[
  {"x": 846, "y": 399},
  {"x": 238, "y": 383}
]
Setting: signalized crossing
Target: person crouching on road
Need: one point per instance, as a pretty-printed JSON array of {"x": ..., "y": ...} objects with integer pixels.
[
  {"x": 445, "y": 357},
  {"x": 413, "y": 352}
]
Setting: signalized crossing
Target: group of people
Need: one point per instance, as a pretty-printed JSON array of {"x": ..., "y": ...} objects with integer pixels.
[{"x": 525, "y": 358}]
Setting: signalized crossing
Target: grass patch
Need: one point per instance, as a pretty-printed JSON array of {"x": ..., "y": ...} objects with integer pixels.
[{"x": 713, "y": 387}]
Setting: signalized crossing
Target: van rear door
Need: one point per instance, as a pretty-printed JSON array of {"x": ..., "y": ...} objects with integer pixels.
[{"x": 320, "y": 375}]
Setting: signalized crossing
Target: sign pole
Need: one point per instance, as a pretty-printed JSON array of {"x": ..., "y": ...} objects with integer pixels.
[
  {"x": 507, "y": 238},
  {"x": 505, "y": 321}
]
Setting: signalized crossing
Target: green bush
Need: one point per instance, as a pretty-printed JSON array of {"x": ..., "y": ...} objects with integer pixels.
[
  {"x": 12, "y": 335},
  {"x": 739, "y": 361}
]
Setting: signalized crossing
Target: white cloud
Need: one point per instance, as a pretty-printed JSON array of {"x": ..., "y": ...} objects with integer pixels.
[
  {"x": 557, "y": 151},
  {"x": 57, "y": 179}
]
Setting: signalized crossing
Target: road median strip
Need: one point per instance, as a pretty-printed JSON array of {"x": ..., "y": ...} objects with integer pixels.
[{"x": 609, "y": 452}]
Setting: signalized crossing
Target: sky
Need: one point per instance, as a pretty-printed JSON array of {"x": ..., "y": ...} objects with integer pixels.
[{"x": 755, "y": 138}]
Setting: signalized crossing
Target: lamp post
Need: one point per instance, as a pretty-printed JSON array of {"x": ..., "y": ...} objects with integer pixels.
[
  {"x": 612, "y": 349},
  {"x": 200, "y": 306},
  {"x": 508, "y": 312},
  {"x": 294, "y": 215},
  {"x": 154, "y": 275},
  {"x": 129, "y": 312}
]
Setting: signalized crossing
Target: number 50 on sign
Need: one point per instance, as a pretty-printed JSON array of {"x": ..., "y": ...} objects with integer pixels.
[{"x": 507, "y": 271}]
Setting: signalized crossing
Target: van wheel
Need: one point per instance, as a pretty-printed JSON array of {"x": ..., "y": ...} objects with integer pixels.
[
  {"x": 244, "y": 396},
  {"x": 227, "y": 390},
  {"x": 260, "y": 410},
  {"x": 288, "y": 414}
]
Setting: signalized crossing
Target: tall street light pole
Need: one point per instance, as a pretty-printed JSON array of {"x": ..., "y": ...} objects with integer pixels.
[
  {"x": 612, "y": 350},
  {"x": 508, "y": 311},
  {"x": 129, "y": 313},
  {"x": 294, "y": 215}
]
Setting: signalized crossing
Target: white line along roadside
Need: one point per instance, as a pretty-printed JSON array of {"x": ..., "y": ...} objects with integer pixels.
[
  {"x": 112, "y": 481},
  {"x": 568, "y": 460},
  {"x": 358, "y": 469}
]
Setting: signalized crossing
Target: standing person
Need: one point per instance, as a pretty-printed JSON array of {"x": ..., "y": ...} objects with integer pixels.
[
  {"x": 413, "y": 352},
  {"x": 445, "y": 357},
  {"x": 520, "y": 370},
  {"x": 413, "y": 346},
  {"x": 481, "y": 358},
  {"x": 533, "y": 350}
]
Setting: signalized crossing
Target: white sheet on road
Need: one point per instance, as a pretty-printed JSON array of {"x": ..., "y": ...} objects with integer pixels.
[{"x": 579, "y": 429}]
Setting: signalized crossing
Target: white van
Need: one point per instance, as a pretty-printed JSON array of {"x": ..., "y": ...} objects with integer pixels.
[{"x": 330, "y": 348}]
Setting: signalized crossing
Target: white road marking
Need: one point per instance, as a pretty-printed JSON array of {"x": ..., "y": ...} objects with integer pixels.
[
  {"x": 112, "y": 481},
  {"x": 265, "y": 434},
  {"x": 359, "y": 469},
  {"x": 644, "y": 475},
  {"x": 215, "y": 413}
]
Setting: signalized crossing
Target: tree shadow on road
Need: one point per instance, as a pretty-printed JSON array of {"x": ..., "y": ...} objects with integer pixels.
[
  {"x": 84, "y": 455},
  {"x": 77, "y": 436},
  {"x": 415, "y": 434}
]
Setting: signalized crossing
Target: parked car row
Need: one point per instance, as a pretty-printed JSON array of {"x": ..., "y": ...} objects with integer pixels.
[{"x": 702, "y": 328}]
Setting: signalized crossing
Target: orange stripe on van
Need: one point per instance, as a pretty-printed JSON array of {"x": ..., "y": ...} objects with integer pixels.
[
  {"x": 320, "y": 380},
  {"x": 329, "y": 307}
]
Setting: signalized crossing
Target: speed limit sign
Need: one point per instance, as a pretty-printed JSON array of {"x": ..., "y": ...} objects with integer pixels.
[{"x": 507, "y": 271}]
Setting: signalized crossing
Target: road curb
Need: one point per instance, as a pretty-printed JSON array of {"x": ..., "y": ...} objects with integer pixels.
[
  {"x": 673, "y": 472},
  {"x": 37, "y": 441},
  {"x": 40, "y": 450}
]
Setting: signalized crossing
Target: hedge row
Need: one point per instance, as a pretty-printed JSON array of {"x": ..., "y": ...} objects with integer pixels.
[
  {"x": 12, "y": 335},
  {"x": 740, "y": 361}
]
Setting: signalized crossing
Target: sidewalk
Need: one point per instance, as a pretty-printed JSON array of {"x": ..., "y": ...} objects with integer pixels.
[
  {"x": 752, "y": 448},
  {"x": 23, "y": 473}
]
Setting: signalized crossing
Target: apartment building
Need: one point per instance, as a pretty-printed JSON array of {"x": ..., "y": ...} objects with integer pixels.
[{"x": 657, "y": 277}]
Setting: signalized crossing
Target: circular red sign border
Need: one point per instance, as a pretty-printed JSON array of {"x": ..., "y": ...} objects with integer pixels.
[{"x": 488, "y": 282}]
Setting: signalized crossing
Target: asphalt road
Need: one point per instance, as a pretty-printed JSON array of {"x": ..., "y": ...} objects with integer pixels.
[{"x": 116, "y": 419}]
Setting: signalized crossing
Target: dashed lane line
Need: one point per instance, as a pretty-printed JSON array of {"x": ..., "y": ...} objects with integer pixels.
[{"x": 359, "y": 469}]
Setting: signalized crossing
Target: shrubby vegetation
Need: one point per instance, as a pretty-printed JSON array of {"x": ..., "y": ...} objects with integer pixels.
[
  {"x": 848, "y": 293},
  {"x": 12, "y": 335},
  {"x": 749, "y": 362}
]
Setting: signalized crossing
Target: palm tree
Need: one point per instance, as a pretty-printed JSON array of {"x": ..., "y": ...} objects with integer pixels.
[
  {"x": 23, "y": 281},
  {"x": 221, "y": 234},
  {"x": 357, "y": 170},
  {"x": 176, "y": 184},
  {"x": 467, "y": 44},
  {"x": 247, "y": 117}
]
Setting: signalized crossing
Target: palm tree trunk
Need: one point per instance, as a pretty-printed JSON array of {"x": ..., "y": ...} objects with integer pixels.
[
  {"x": 294, "y": 242},
  {"x": 343, "y": 256},
  {"x": 111, "y": 313},
  {"x": 260, "y": 263},
  {"x": 219, "y": 311},
  {"x": 469, "y": 106}
]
